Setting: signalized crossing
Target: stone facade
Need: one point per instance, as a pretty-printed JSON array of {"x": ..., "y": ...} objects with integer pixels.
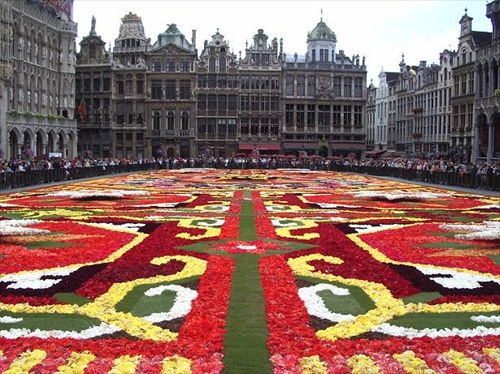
[{"x": 38, "y": 57}]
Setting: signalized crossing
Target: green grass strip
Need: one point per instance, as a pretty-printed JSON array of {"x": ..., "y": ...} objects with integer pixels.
[
  {"x": 246, "y": 330},
  {"x": 246, "y": 336}
]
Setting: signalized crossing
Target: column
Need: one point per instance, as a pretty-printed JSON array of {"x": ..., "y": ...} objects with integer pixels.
[
  {"x": 475, "y": 142},
  {"x": 491, "y": 141}
]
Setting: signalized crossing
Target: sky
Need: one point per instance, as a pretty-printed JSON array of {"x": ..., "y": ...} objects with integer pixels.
[{"x": 380, "y": 30}]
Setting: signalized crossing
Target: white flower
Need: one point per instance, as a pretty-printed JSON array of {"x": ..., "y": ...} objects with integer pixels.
[
  {"x": 454, "y": 279},
  {"x": 37, "y": 279},
  {"x": 399, "y": 195},
  {"x": 316, "y": 306},
  {"x": 246, "y": 247},
  {"x": 91, "y": 332},
  {"x": 182, "y": 303},
  {"x": 86, "y": 194},
  {"x": 487, "y": 230},
  {"x": 18, "y": 227}
]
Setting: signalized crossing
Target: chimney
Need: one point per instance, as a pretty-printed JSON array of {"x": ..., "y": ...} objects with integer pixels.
[{"x": 193, "y": 38}]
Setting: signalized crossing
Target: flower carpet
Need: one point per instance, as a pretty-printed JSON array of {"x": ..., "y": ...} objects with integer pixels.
[{"x": 248, "y": 271}]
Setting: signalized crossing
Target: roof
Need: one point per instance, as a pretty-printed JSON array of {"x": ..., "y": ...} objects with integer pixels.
[
  {"x": 481, "y": 37},
  {"x": 321, "y": 32}
]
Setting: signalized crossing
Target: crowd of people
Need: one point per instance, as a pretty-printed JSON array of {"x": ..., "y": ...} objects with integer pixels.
[{"x": 480, "y": 174}]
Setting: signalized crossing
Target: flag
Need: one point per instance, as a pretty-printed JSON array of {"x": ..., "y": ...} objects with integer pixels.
[{"x": 82, "y": 110}]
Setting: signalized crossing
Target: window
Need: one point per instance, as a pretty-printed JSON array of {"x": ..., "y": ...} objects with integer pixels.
[
  {"x": 222, "y": 102},
  {"x": 184, "y": 120},
  {"x": 156, "y": 89},
  {"x": 185, "y": 66},
  {"x": 170, "y": 120},
  {"x": 289, "y": 85},
  {"x": 202, "y": 126},
  {"x": 120, "y": 87},
  {"x": 311, "y": 118},
  {"x": 289, "y": 114},
  {"x": 211, "y": 64},
  {"x": 97, "y": 85},
  {"x": 311, "y": 85},
  {"x": 231, "y": 128},
  {"x": 347, "y": 87},
  {"x": 245, "y": 103},
  {"x": 232, "y": 103},
  {"x": 212, "y": 102},
  {"x": 211, "y": 128},
  {"x": 221, "y": 126},
  {"x": 254, "y": 82},
  {"x": 212, "y": 81},
  {"x": 358, "y": 118},
  {"x": 264, "y": 82},
  {"x": 232, "y": 81},
  {"x": 156, "y": 66},
  {"x": 106, "y": 84},
  {"x": 156, "y": 120},
  {"x": 140, "y": 86},
  {"x": 128, "y": 136},
  {"x": 337, "y": 86},
  {"x": 347, "y": 115},
  {"x": 337, "y": 112},
  {"x": 222, "y": 65},
  {"x": 202, "y": 81},
  {"x": 129, "y": 107},
  {"x": 221, "y": 81},
  {"x": 202, "y": 102},
  {"x": 170, "y": 89},
  {"x": 120, "y": 113},
  {"x": 140, "y": 112},
  {"x": 275, "y": 82},
  {"x": 301, "y": 85},
  {"x": 254, "y": 103},
  {"x": 170, "y": 66},
  {"x": 245, "y": 82},
  {"x": 244, "y": 126},
  {"x": 300, "y": 114},
  {"x": 324, "y": 115},
  {"x": 358, "y": 87},
  {"x": 323, "y": 55},
  {"x": 185, "y": 89},
  {"x": 129, "y": 86}
]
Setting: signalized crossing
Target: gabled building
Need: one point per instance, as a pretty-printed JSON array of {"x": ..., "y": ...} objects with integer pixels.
[
  {"x": 486, "y": 145},
  {"x": 93, "y": 96},
  {"x": 463, "y": 91},
  {"x": 38, "y": 56},
  {"x": 129, "y": 110},
  {"x": 324, "y": 98},
  {"x": 260, "y": 96},
  {"x": 217, "y": 98},
  {"x": 170, "y": 102}
]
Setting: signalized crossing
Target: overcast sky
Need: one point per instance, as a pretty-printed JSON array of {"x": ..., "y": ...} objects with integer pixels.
[{"x": 380, "y": 30}]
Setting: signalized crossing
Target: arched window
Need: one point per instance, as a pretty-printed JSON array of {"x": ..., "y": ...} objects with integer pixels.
[
  {"x": 156, "y": 118},
  {"x": 185, "y": 120},
  {"x": 211, "y": 65},
  {"x": 222, "y": 65},
  {"x": 170, "y": 120}
]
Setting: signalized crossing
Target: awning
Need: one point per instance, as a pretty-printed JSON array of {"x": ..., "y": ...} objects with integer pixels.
[
  {"x": 300, "y": 145},
  {"x": 347, "y": 146},
  {"x": 259, "y": 146},
  {"x": 376, "y": 152}
]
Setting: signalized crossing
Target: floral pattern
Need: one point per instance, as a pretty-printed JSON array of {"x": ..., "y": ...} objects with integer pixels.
[{"x": 132, "y": 274}]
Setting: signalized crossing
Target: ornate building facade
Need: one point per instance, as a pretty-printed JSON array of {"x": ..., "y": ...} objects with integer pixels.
[
  {"x": 93, "y": 96},
  {"x": 487, "y": 91},
  {"x": 165, "y": 100},
  {"x": 217, "y": 96},
  {"x": 38, "y": 56},
  {"x": 324, "y": 98}
]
